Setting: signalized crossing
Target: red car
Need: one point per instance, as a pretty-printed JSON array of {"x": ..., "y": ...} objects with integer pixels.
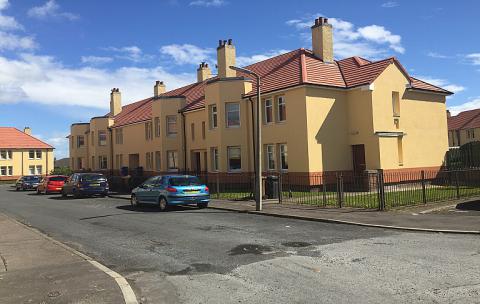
[{"x": 51, "y": 184}]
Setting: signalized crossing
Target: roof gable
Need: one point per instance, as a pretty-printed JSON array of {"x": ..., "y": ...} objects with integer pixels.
[
  {"x": 465, "y": 119},
  {"x": 13, "y": 138}
]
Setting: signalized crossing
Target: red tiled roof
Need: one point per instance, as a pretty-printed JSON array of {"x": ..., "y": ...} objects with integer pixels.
[
  {"x": 286, "y": 70},
  {"x": 13, "y": 138},
  {"x": 465, "y": 120}
]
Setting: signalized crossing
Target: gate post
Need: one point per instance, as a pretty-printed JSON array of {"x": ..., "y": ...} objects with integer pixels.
[
  {"x": 340, "y": 190},
  {"x": 424, "y": 193},
  {"x": 457, "y": 185},
  {"x": 380, "y": 190}
]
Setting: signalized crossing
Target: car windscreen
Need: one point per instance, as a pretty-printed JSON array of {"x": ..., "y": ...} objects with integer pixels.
[
  {"x": 184, "y": 181},
  {"x": 57, "y": 179},
  {"x": 93, "y": 178},
  {"x": 31, "y": 178}
]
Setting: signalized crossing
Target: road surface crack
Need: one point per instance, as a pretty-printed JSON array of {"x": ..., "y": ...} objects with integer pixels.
[{"x": 4, "y": 260}]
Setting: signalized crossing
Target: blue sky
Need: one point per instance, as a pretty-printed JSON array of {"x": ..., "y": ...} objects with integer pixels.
[{"x": 59, "y": 59}]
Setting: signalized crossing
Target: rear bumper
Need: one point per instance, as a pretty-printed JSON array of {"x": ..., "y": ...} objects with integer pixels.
[
  {"x": 185, "y": 200},
  {"x": 99, "y": 191},
  {"x": 52, "y": 189}
]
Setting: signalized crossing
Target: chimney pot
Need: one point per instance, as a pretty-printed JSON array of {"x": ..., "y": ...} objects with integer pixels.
[{"x": 322, "y": 39}]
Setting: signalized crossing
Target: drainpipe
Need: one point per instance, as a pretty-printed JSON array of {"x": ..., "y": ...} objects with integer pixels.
[
  {"x": 184, "y": 144},
  {"x": 111, "y": 150},
  {"x": 253, "y": 134}
]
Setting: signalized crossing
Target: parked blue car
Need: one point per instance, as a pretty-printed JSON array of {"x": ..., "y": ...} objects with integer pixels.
[
  {"x": 85, "y": 184},
  {"x": 171, "y": 190}
]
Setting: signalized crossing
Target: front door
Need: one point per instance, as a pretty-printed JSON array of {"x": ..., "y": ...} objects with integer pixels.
[
  {"x": 196, "y": 162},
  {"x": 358, "y": 153}
]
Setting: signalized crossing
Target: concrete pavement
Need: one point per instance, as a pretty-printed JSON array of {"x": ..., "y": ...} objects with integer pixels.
[
  {"x": 406, "y": 219},
  {"x": 33, "y": 269}
]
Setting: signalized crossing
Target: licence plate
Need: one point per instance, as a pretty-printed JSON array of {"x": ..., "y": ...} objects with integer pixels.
[
  {"x": 94, "y": 185},
  {"x": 58, "y": 188}
]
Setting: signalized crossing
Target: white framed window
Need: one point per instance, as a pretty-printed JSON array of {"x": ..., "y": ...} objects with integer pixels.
[
  {"x": 119, "y": 161},
  {"x": 158, "y": 162},
  {"x": 39, "y": 169},
  {"x": 283, "y": 154},
  {"x": 213, "y": 116},
  {"x": 149, "y": 160},
  {"x": 234, "y": 155},
  {"x": 148, "y": 130},
  {"x": 172, "y": 160},
  {"x": 215, "y": 163},
  {"x": 31, "y": 154},
  {"x": 157, "y": 126},
  {"x": 10, "y": 170},
  {"x": 38, "y": 154},
  {"x": 80, "y": 141},
  {"x": 119, "y": 136},
  {"x": 171, "y": 125},
  {"x": 5, "y": 154},
  {"x": 31, "y": 170},
  {"x": 268, "y": 111},
  {"x": 102, "y": 162},
  {"x": 102, "y": 138},
  {"x": 281, "y": 109},
  {"x": 396, "y": 104},
  {"x": 270, "y": 157},
  {"x": 232, "y": 114},
  {"x": 6, "y": 171}
]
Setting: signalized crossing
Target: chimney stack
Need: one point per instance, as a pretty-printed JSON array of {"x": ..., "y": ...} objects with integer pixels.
[
  {"x": 159, "y": 88},
  {"x": 27, "y": 130},
  {"x": 322, "y": 39},
  {"x": 203, "y": 72},
  {"x": 225, "y": 58},
  {"x": 115, "y": 102}
]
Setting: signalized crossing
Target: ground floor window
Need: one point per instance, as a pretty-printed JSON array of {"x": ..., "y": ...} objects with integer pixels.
[
  {"x": 39, "y": 170},
  {"x": 283, "y": 156},
  {"x": 158, "y": 157},
  {"x": 172, "y": 157},
  {"x": 270, "y": 157},
  {"x": 119, "y": 161},
  {"x": 31, "y": 170},
  {"x": 6, "y": 170},
  {"x": 79, "y": 163},
  {"x": 214, "y": 152},
  {"x": 234, "y": 158},
  {"x": 149, "y": 160},
  {"x": 102, "y": 162}
]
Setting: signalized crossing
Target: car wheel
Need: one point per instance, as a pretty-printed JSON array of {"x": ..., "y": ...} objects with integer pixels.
[
  {"x": 38, "y": 191},
  {"x": 134, "y": 201},
  {"x": 202, "y": 205},
  {"x": 64, "y": 194},
  {"x": 17, "y": 189},
  {"x": 162, "y": 204},
  {"x": 76, "y": 194}
]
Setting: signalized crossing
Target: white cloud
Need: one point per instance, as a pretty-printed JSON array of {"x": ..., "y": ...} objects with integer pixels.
[
  {"x": 7, "y": 22},
  {"x": 187, "y": 53},
  {"x": 42, "y": 79},
  {"x": 437, "y": 55},
  {"x": 390, "y": 4},
  {"x": 248, "y": 60},
  {"x": 132, "y": 53},
  {"x": 473, "y": 58},
  {"x": 58, "y": 140},
  {"x": 50, "y": 10},
  {"x": 443, "y": 83},
  {"x": 469, "y": 105},
  {"x": 10, "y": 41},
  {"x": 372, "y": 41},
  {"x": 208, "y": 3},
  {"x": 96, "y": 60}
]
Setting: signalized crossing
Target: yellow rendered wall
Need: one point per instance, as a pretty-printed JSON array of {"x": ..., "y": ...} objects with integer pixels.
[{"x": 422, "y": 119}]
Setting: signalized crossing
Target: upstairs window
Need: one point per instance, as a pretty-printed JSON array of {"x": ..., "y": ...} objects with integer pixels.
[
  {"x": 268, "y": 111},
  {"x": 80, "y": 141},
  {"x": 119, "y": 136},
  {"x": 232, "y": 114},
  {"x": 213, "y": 116},
  {"x": 171, "y": 125},
  {"x": 396, "y": 104},
  {"x": 5, "y": 154},
  {"x": 281, "y": 109},
  {"x": 38, "y": 154},
  {"x": 157, "y": 126},
  {"x": 148, "y": 130},
  {"x": 31, "y": 154},
  {"x": 102, "y": 138}
]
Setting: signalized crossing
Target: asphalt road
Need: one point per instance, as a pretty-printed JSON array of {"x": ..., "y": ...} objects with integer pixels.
[{"x": 189, "y": 255}]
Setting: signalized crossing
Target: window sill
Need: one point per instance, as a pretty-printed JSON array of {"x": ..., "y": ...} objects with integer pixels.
[
  {"x": 234, "y": 171},
  {"x": 232, "y": 127}
]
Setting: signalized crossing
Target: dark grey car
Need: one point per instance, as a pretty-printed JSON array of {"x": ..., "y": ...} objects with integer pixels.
[{"x": 29, "y": 182}]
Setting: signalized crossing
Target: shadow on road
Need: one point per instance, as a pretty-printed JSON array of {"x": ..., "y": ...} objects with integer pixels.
[{"x": 473, "y": 206}]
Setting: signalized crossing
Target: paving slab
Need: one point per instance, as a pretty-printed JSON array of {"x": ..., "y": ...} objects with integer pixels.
[{"x": 34, "y": 269}]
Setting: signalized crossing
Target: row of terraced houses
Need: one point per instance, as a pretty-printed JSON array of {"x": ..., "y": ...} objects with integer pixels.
[{"x": 319, "y": 115}]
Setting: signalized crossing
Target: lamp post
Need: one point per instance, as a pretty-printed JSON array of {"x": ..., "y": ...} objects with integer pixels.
[{"x": 258, "y": 141}]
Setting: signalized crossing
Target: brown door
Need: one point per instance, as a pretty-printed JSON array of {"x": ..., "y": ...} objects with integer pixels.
[
  {"x": 196, "y": 165},
  {"x": 358, "y": 152}
]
